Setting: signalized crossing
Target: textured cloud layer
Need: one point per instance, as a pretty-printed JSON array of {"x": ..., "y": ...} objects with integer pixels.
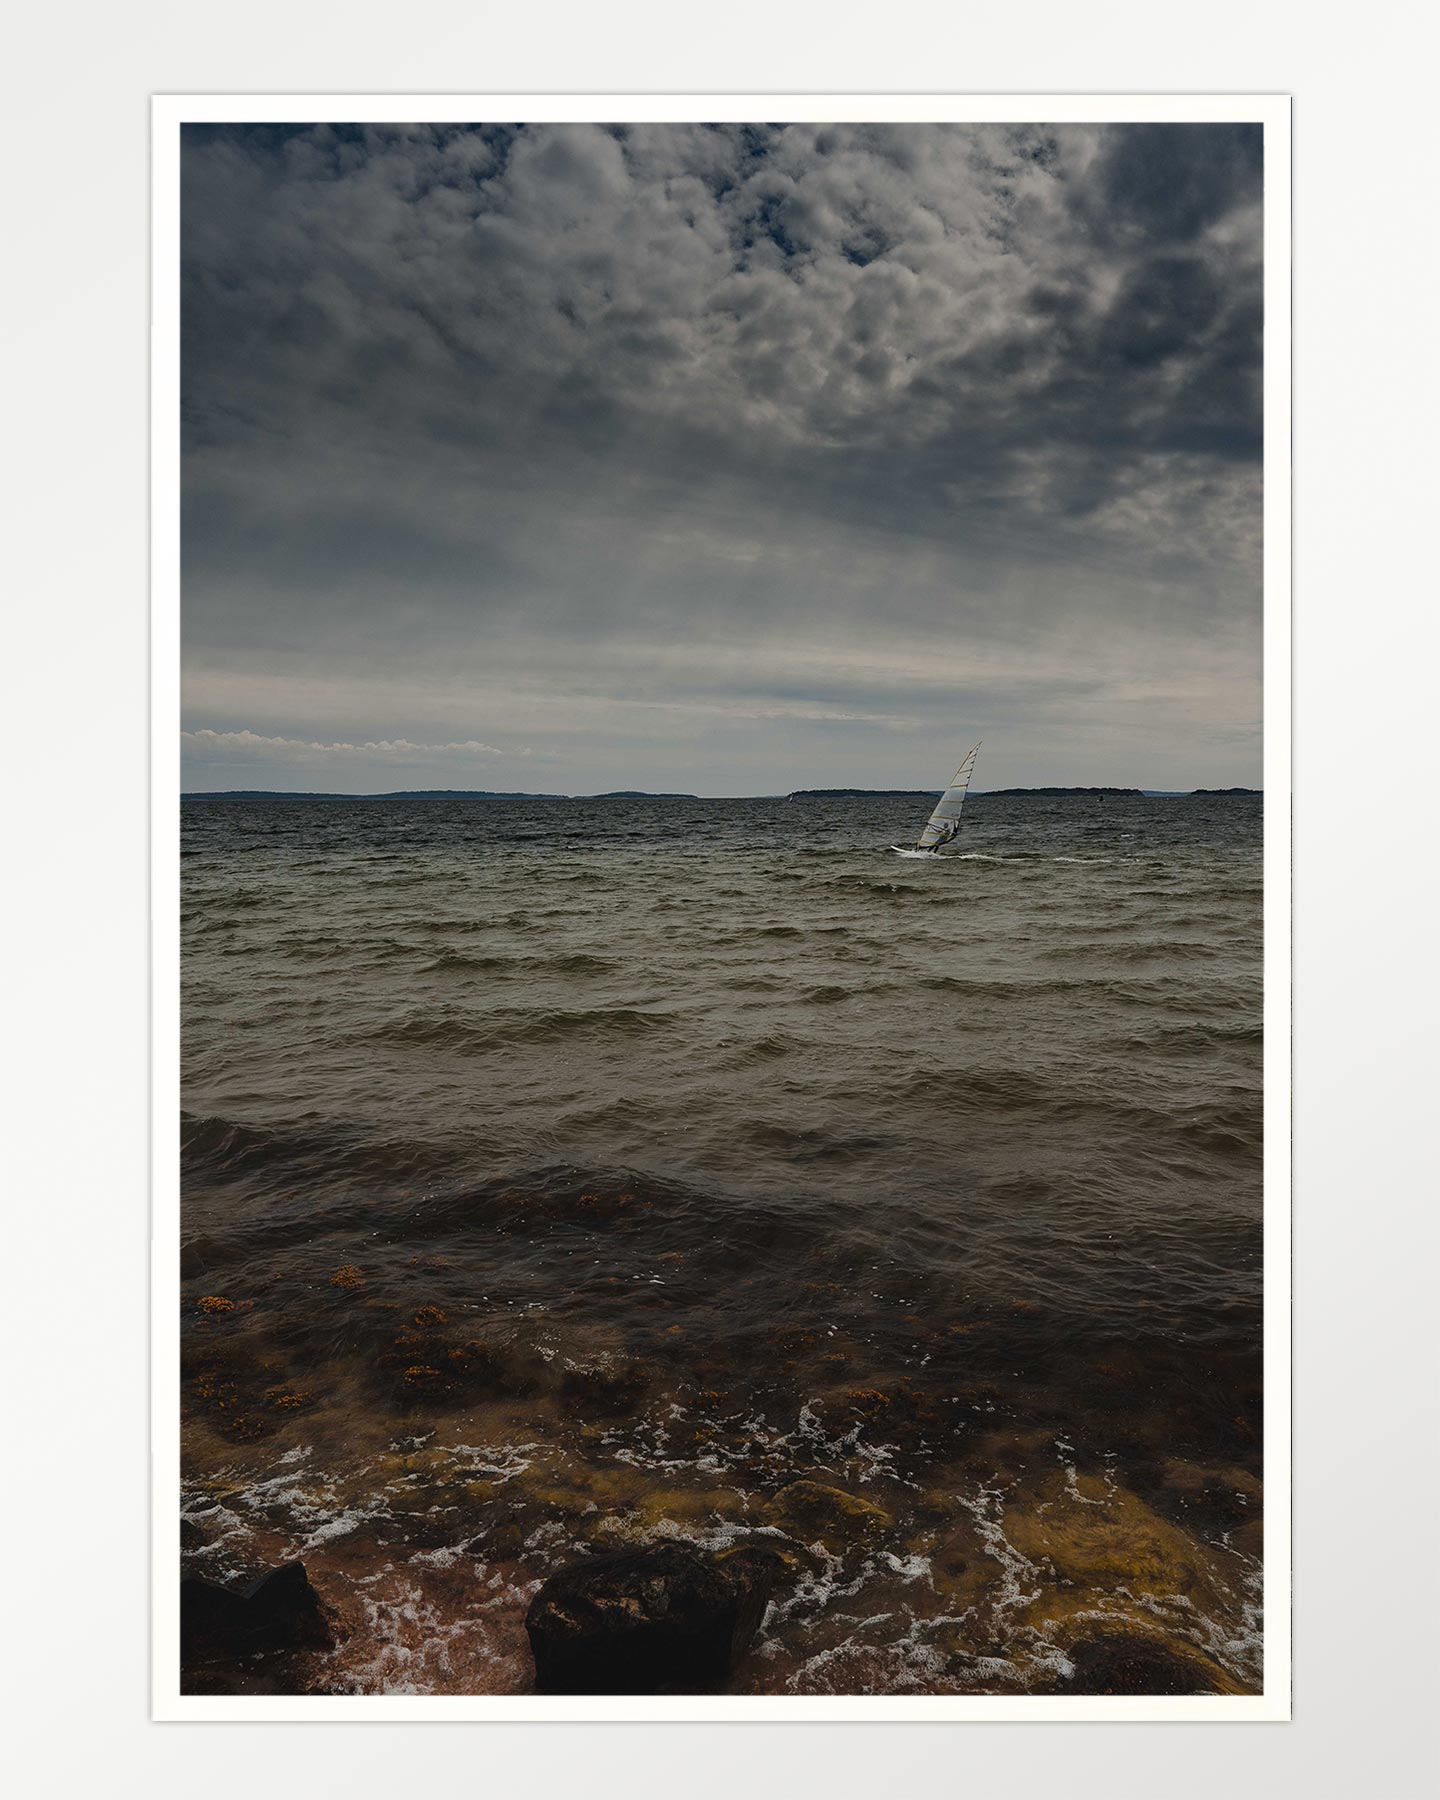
[
  {"x": 220, "y": 744},
  {"x": 748, "y": 455}
]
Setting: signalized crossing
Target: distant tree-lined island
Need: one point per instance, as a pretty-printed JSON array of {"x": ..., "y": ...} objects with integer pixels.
[
  {"x": 977, "y": 794},
  {"x": 1061, "y": 793},
  {"x": 1043, "y": 793},
  {"x": 864, "y": 794},
  {"x": 398, "y": 794},
  {"x": 424, "y": 794}
]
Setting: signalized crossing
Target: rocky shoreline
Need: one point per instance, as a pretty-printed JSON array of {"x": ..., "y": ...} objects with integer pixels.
[
  {"x": 583, "y": 1544},
  {"x": 392, "y": 1462},
  {"x": 672, "y": 1616}
]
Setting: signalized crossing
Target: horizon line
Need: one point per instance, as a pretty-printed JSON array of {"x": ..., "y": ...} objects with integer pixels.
[{"x": 677, "y": 794}]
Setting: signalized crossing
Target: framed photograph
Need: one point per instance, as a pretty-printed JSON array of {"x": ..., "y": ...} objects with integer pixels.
[{"x": 724, "y": 962}]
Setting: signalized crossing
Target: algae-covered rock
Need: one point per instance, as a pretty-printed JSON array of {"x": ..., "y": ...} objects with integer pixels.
[
  {"x": 419, "y": 1465},
  {"x": 1208, "y": 1499},
  {"x": 690, "y": 1506},
  {"x": 503, "y": 1541},
  {"x": 652, "y": 1512},
  {"x": 810, "y": 1510},
  {"x": 1227, "y": 1496},
  {"x": 669, "y": 1618},
  {"x": 1105, "y": 1569},
  {"x": 1105, "y": 1537},
  {"x": 1249, "y": 1539},
  {"x": 938, "y": 1506},
  {"x": 571, "y": 1488}
]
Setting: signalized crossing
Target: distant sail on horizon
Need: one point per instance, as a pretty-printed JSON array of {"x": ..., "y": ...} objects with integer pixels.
[{"x": 944, "y": 823}]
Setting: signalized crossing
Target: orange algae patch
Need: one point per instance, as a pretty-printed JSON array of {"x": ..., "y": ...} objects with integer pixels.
[
  {"x": 214, "y": 1303},
  {"x": 867, "y": 1401},
  {"x": 347, "y": 1276},
  {"x": 225, "y": 1403},
  {"x": 429, "y": 1315}
]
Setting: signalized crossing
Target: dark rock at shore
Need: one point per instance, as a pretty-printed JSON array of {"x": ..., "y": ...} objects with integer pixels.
[
  {"x": 279, "y": 1610},
  {"x": 669, "y": 1618}
]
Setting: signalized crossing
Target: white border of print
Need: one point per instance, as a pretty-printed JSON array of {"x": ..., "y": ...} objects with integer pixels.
[{"x": 169, "y": 112}]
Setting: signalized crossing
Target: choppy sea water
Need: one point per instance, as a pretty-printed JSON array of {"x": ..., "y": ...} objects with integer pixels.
[{"x": 563, "y": 1174}]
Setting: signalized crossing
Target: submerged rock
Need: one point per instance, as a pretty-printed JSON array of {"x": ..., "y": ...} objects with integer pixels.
[
  {"x": 1121, "y": 1662},
  {"x": 1124, "y": 1592},
  {"x": 1214, "y": 1499},
  {"x": 810, "y": 1510},
  {"x": 277, "y": 1611},
  {"x": 604, "y": 1389},
  {"x": 429, "y": 1370},
  {"x": 668, "y": 1618},
  {"x": 1094, "y": 1535}
]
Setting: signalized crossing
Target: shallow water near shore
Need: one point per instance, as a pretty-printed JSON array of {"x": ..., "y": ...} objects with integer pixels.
[{"x": 560, "y": 1175}]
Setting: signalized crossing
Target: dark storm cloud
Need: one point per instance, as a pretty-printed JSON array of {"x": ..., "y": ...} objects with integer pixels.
[
  {"x": 593, "y": 442},
  {"x": 1165, "y": 184}
]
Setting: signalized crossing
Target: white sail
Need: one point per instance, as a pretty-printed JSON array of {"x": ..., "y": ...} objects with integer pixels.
[{"x": 945, "y": 820}]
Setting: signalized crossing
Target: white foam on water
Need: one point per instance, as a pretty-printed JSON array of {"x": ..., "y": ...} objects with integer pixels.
[
  {"x": 718, "y": 1535},
  {"x": 909, "y": 1568},
  {"x": 502, "y": 1462},
  {"x": 549, "y": 1535},
  {"x": 340, "y": 1525},
  {"x": 228, "y": 1530},
  {"x": 445, "y": 1558},
  {"x": 301, "y": 1504},
  {"x": 987, "y": 1510},
  {"x": 1237, "y": 1646},
  {"x": 413, "y": 1644},
  {"x": 1064, "y": 1453},
  {"x": 639, "y": 1460}
]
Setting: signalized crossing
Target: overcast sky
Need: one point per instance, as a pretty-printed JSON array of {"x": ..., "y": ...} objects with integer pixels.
[{"x": 726, "y": 459}]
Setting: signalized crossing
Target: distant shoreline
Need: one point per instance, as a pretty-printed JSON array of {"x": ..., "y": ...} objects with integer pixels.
[{"x": 1044, "y": 793}]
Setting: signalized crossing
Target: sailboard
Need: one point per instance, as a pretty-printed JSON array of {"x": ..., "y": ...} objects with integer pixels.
[{"x": 944, "y": 822}]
